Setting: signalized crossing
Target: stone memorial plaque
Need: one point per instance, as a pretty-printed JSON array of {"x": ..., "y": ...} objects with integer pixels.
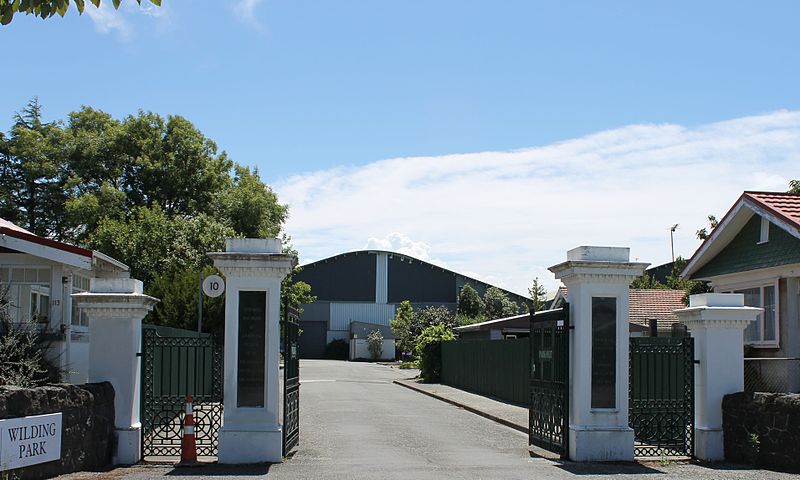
[
  {"x": 604, "y": 352},
  {"x": 252, "y": 349}
]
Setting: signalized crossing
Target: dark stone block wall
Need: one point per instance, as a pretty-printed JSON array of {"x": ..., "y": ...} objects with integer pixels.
[
  {"x": 87, "y": 424},
  {"x": 774, "y": 418}
]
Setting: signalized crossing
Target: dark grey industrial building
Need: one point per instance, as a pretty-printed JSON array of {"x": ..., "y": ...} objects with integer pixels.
[{"x": 367, "y": 286}]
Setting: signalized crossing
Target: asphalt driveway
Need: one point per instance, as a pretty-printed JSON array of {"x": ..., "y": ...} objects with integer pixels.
[{"x": 356, "y": 424}]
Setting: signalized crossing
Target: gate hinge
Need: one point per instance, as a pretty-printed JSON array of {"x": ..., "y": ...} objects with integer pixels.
[
  {"x": 138, "y": 354},
  {"x": 696, "y": 362}
]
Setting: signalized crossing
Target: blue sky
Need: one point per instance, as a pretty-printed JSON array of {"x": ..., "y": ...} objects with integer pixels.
[{"x": 329, "y": 89}]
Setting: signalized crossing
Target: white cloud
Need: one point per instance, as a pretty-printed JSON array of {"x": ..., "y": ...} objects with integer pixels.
[
  {"x": 107, "y": 20},
  {"x": 506, "y": 216},
  {"x": 245, "y": 11}
]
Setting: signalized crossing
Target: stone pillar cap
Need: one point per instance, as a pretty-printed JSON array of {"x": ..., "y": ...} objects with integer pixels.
[
  {"x": 253, "y": 245},
  {"x": 722, "y": 309},
  {"x": 599, "y": 254}
]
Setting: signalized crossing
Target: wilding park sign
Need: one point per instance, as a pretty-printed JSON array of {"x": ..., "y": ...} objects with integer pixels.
[{"x": 29, "y": 440}]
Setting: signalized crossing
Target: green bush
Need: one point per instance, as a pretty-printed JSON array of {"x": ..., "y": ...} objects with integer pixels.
[
  {"x": 337, "y": 350},
  {"x": 375, "y": 344},
  {"x": 22, "y": 350},
  {"x": 429, "y": 350}
]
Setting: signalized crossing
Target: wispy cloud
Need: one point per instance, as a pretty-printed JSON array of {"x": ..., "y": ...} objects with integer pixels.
[
  {"x": 506, "y": 216},
  {"x": 121, "y": 22},
  {"x": 245, "y": 11},
  {"x": 108, "y": 20}
]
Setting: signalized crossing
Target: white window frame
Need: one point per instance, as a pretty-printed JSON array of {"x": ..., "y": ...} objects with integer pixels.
[
  {"x": 776, "y": 285},
  {"x": 764, "y": 236}
]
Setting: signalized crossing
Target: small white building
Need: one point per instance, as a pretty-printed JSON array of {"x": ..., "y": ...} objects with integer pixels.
[{"x": 37, "y": 277}]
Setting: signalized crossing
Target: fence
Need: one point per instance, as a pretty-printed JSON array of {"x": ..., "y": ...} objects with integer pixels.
[
  {"x": 775, "y": 375},
  {"x": 497, "y": 368}
]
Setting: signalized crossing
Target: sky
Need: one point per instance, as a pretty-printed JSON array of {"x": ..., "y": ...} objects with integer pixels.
[{"x": 488, "y": 137}]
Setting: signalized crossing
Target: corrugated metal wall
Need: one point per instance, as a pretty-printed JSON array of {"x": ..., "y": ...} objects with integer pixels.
[
  {"x": 381, "y": 277},
  {"x": 343, "y": 313}
]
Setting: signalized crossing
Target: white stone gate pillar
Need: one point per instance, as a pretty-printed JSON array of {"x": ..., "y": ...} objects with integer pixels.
[
  {"x": 254, "y": 268},
  {"x": 597, "y": 279},
  {"x": 115, "y": 308},
  {"x": 717, "y": 322}
]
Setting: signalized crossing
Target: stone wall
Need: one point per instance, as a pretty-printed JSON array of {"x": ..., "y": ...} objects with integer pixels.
[
  {"x": 87, "y": 430},
  {"x": 774, "y": 418}
]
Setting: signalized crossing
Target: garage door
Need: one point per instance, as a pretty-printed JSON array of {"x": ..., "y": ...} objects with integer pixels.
[{"x": 313, "y": 339}]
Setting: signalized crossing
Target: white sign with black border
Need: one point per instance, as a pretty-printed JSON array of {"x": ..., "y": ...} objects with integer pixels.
[
  {"x": 29, "y": 441},
  {"x": 213, "y": 285}
]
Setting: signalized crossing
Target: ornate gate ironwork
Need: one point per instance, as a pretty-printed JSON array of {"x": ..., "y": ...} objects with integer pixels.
[
  {"x": 291, "y": 379},
  {"x": 661, "y": 409},
  {"x": 548, "y": 420},
  {"x": 176, "y": 363}
]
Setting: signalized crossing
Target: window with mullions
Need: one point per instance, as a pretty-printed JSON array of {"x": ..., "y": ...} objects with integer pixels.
[{"x": 764, "y": 331}]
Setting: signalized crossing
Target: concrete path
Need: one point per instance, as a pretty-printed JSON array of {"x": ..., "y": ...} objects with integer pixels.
[{"x": 357, "y": 424}]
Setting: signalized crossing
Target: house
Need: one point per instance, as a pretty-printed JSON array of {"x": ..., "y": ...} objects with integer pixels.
[
  {"x": 648, "y": 308},
  {"x": 755, "y": 251},
  {"x": 367, "y": 286},
  {"x": 37, "y": 277}
]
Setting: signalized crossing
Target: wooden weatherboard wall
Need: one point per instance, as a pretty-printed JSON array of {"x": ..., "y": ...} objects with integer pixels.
[
  {"x": 497, "y": 368},
  {"x": 744, "y": 253}
]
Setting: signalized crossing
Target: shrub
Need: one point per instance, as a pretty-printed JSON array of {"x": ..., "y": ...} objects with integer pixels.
[
  {"x": 337, "y": 350},
  {"x": 375, "y": 344},
  {"x": 22, "y": 348},
  {"x": 429, "y": 350}
]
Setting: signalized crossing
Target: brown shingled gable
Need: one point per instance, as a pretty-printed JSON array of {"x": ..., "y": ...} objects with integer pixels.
[
  {"x": 784, "y": 205},
  {"x": 646, "y": 304}
]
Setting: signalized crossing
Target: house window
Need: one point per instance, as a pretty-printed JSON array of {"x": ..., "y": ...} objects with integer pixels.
[
  {"x": 764, "y": 238},
  {"x": 764, "y": 331}
]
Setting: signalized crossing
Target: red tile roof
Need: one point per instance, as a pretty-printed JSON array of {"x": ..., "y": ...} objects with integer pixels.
[
  {"x": 653, "y": 303},
  {"x": 784, "y": 205}
]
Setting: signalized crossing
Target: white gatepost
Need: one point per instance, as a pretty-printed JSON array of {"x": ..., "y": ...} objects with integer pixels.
[
  {"x": 597, "y": 281},
  {"x": 254, "y": 268},
  {"x": 115, "y": 308},
  {"x": 717, "y": 322}
]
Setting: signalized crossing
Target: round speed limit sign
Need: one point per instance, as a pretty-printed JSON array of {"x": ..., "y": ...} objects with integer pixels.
[{"x": 213, "y": 285}]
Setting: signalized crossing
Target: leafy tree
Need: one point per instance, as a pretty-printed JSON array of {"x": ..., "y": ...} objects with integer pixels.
[
  {"x": 646, "y": 281},
  {"x": 498, "y": 305},
  {"x": 48, "y": 8},
  {"x": 429, "y": 350},
  {"x": 31, "y": 160},
  {"x": 251, "y": 207},
  {"x": 151, "y": 191},
  {"x": 704, "y": 232},
  {"x": 794, "y": 186},
  {"x": 691, "y": 287},
  {"x": 538, "y": 295},
  {"x": 178, "y": 292},
  {"x": 375, "y": 344},
  {"x": 430, "y": 316},
  {"x": 470, "y": 304},
  {"x": 401, "y": 326}
]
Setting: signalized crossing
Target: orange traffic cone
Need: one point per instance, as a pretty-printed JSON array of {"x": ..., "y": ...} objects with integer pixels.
[{"x": 188, "y": 443}]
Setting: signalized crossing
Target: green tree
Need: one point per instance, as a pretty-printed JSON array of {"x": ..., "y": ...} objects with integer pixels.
[
  {"x": 48, "y": 8},
  {"x": 691, "y": 287},
  {"x": 429, "y": 350},
  {"x": 33, "y": 183},
  {"x": 646, "y": 281},
  {"x": 401, "y": 326},
  {"x": 470, "y": 304},
  {"x": 705, "y": 232},
  {"x": 794, "y": 186},
  {"x": 251, "y": 207},
  {"x": 538, "y": 296},
  {"x": 375, "y": 344},
  {"x": 498, "y": 305},
  {"x": 178, "y": 292}
]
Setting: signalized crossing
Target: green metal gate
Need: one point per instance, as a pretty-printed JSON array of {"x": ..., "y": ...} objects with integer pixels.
[
  {"x": 548, "y": 419},
  {"x": 177, "y": 363},
  {"x": 291, "y": 379},
  {"x": 661, "y": 408}
]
